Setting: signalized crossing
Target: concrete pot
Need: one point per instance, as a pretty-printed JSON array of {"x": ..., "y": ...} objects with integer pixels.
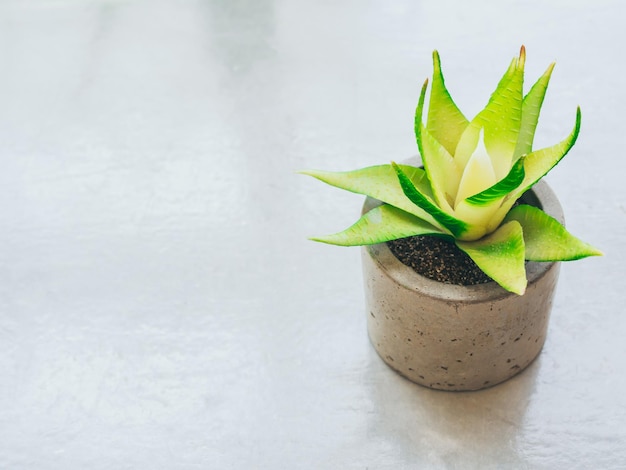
[{"x": 451, "y": 337}]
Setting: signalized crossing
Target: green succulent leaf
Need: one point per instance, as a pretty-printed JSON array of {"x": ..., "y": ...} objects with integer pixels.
[
  {"x": 380, "y": 182},
  {"x": 505, "y": 78},
  {"x": 538, "y": 163},
  {"x": 546, "y": 239},
  {"x": 439, "y": 165},
  {"x": 445, "y": 120},
  {"x": 381, "y": 224},
  {"x": 531, "y": 106},
  {"x": 455, "y": 226},
  {"x": 501, "y": 120},
  {"x": 502, "y": 187},
  {"x": 500, "y": 255},
  {"x": 419, "y": 110}
]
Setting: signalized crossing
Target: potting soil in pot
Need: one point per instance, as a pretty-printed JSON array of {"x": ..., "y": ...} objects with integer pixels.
[{"x": 437, "y": 259}]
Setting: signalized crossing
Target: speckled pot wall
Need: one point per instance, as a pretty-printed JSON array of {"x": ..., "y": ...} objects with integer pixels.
[{"x": 452, "y": 337}]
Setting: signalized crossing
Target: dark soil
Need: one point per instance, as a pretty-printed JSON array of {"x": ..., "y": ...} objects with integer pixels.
[{"x": 437, "y": 259}]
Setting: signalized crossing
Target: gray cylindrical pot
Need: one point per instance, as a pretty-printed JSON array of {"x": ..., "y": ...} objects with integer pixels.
[{"x": 452, "y": 337}]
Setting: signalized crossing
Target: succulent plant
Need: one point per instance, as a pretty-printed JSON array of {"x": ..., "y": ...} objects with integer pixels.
[{"x": 473, "y": 174}]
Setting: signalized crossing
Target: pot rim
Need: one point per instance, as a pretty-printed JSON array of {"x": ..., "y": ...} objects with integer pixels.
[{"x": 540, "y": 194}]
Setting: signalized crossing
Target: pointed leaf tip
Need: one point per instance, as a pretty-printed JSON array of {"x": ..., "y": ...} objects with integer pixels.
[
  {"x": 381, "y": 224},
  {"x": 546, "y": 239},
  {"x": 436, "y": 59},
  {"x": 444, "y": 121}
]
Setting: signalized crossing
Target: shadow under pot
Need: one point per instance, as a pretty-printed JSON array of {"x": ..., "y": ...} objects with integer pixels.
[{"x": 456, "y": 337}]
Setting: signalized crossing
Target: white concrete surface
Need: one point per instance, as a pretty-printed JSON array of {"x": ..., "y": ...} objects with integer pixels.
[{"x": 160, "y": 305}]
